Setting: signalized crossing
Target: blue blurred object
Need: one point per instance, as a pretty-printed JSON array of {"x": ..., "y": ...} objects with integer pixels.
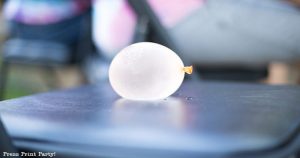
[
  {"x": 249, "y": 33},
  {"x": 49, "y": 46},
  {"x": 5, "y": 142},
  {"x": 231, "y": 39},
  {"x": 203, "y": 119}
]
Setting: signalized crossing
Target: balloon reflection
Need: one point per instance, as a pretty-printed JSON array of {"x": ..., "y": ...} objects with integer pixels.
[{"x": 168, "y": 113}]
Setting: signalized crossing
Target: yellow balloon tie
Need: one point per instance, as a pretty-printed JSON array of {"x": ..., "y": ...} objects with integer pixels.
[{"x": 188, "y": 69}]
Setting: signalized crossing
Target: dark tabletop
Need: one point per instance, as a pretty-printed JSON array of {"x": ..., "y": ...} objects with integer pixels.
[{"x": 201, "y": 119}]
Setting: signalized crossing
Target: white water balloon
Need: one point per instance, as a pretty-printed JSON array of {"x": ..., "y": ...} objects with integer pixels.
[{"x": 146, "y": 71}]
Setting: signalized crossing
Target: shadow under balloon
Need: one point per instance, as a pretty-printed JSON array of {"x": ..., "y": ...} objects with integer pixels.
[{"x": 169, "y": 113}]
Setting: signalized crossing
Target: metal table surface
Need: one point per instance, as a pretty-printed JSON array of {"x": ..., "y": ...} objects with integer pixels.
[{"x": 202, "y": 119}]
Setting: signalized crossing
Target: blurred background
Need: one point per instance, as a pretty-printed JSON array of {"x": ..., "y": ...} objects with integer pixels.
[{"x": 55, "y": 44}]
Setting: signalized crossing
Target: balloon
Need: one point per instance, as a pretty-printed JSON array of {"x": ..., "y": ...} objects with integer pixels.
[{"x": 146, "y": 71}]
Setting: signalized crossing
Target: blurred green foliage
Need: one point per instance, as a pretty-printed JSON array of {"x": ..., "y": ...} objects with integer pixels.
[{"x": 22, "y": 81}]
